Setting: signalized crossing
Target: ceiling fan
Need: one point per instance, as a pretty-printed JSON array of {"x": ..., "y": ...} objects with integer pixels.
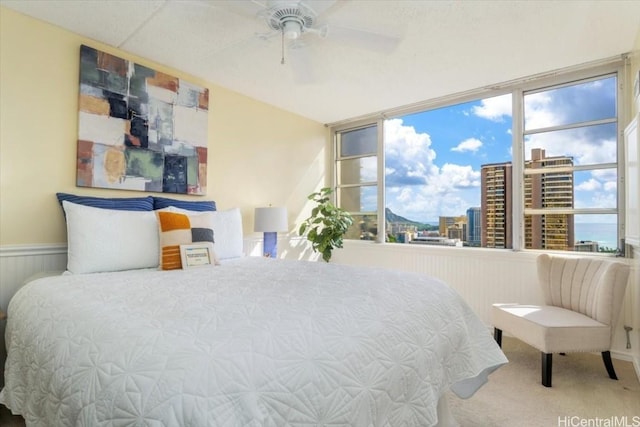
[
  {"x": 291, "y": 19},
  {"x": 300, "y": 23}
]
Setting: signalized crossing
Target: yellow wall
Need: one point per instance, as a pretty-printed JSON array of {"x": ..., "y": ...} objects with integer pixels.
[{"x": 258, "y": 155}]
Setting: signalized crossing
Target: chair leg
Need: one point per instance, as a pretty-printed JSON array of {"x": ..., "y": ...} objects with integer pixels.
[
  {"x": 547, "y": 363},
  {"x": 606, "y": 358},
  {"x": 497, "y": 335}
]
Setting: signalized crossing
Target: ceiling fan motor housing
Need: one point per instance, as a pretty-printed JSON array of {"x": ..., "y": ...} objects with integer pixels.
[{"x": 289, "y": 17}]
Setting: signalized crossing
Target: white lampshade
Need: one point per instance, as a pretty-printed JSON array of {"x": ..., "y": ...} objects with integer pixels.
[{"x": 271, "y": 219}]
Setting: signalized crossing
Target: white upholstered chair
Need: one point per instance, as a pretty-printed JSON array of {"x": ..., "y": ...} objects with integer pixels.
[{"x": 583, "y": 298}]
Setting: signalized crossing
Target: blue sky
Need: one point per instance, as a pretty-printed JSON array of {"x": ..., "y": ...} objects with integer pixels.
[{"x": 433, "y": 159}]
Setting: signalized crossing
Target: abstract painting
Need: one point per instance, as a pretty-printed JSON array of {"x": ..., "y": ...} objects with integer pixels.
[{"x": 139, "y": 129}]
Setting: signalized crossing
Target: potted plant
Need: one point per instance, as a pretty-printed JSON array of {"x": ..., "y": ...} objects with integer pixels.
[{"x": 327, "y": 224}]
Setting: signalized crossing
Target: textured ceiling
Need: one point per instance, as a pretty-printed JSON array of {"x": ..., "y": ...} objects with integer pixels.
[{"x": 443, "y": 47}]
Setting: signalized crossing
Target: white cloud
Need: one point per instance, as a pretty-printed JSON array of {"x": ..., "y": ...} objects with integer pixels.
[
  {"x": 494, "y": 109},
  {"x": 422, "y": 203},
  {"x": 604, "y": 198},
  {"x": 573, "y": 105},
  {"x": 605, "y": 174},
  {"x": 599, "y": 191},
  {"x": 368, "y": 167},
  {"x": 589, "y": 185},
  {"x": 576, "y": 144},
  {"x": 538, "y": 111},
  {"x": 404, "y": 142},
  {"x": 416, "y": 187},
  {"x": 460, "y": 176},
  {"x": 470, "y": 144}
]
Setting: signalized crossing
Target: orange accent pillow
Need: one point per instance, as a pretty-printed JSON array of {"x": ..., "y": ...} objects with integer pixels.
[{"x": 182, "y": 229}]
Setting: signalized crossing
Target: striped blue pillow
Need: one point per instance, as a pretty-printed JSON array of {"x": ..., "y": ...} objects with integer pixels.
[
  {"x": 189, "y": 205},
  {"x": 121, "y": 204}
]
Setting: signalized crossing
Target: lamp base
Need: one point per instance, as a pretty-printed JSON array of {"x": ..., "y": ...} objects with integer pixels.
[{"x": 270, "y": 244}]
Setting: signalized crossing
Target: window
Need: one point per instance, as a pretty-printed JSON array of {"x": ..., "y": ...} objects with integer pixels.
[
  {"x": 357, "y": 177},
  {"x": 434, "y": 163},
  {"x": 570, "y": 166},
  {"x": 533, "y": 165}
]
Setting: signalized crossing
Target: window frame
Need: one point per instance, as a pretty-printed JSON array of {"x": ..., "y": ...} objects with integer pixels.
[
  {"x": 615, "y": 67},
  {"x": 349, "y": 127},
  {"x": 518, "y": 89}
]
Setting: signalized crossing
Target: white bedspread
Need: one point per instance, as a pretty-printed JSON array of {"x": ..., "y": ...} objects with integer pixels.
[{"x": 253, "y": 342}]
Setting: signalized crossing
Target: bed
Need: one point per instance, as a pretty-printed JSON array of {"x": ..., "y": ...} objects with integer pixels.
[{"x": 251, "y": 341}]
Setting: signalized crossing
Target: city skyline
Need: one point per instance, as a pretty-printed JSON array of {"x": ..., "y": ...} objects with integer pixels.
[{"x": 433, "y": 159}]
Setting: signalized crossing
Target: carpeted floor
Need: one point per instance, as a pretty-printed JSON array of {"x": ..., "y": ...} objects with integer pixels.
[{"x": 582, "y": 394}]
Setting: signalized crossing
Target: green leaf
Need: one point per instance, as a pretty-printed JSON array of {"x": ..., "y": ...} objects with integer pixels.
[{"x": 326, "y": 225}]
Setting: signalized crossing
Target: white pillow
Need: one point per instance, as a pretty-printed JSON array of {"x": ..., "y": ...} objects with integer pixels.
[
  {"x": 227, "y": 233},
  {"x": 101, "y": 240},
  {"x": 227, "y": 230}
]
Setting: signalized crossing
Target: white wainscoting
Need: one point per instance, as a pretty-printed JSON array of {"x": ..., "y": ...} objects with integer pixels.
[
  {"x": 17, "y": 263},
  {"x": 480, "y": 276}
]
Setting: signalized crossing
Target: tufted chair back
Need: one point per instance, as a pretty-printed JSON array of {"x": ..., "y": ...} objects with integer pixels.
[{"x": 594, "y": 287}]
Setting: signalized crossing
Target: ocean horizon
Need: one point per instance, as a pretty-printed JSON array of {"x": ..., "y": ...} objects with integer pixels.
[
  {"x": 603, "y": 233},
  {"x": 606, "y": 234}
]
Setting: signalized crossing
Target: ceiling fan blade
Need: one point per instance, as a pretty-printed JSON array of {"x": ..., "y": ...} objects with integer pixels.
[
  {"x": 267, "y": 36},
  {"x": 364, "y": 39},
  {"x": 246, "y": 8},
  {"x": 301, "y": 64},
  {"x": 322, "y": 7}
]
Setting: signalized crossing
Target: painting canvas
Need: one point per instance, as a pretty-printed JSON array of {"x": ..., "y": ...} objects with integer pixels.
[{"x": 139, "y": 129}]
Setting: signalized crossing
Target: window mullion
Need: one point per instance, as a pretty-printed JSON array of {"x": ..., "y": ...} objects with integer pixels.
[
  {"x": 569, "y": 211},
  {"x": 382, "y": 203},
  {"x": 355, "y": 157},
  {"x": 575, "y": 168},
  {"x": 517, "y": 177},
  {"x": 576, "y": 125},
  {"x": 358, "y": 185}
]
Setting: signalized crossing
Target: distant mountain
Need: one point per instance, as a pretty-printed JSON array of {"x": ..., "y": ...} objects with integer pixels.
[{"x": 391, "y": 217}]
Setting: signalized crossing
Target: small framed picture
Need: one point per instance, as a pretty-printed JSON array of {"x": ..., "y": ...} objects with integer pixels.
[{"x": 197, "y": 255}]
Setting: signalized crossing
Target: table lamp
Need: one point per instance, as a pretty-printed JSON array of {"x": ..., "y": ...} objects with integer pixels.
[{"x": 270, "y": 220}]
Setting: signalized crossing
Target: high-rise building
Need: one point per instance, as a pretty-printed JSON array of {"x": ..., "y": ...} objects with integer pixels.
[
  {"x": 548, "y": 190},
  {"x": 457, "y": 231},
  {"x": 541, "y": 191},
  {"x": 444, "y": 222},
  {"x": 474, "y": 226},
  {"x": 495, "y": 208}
]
